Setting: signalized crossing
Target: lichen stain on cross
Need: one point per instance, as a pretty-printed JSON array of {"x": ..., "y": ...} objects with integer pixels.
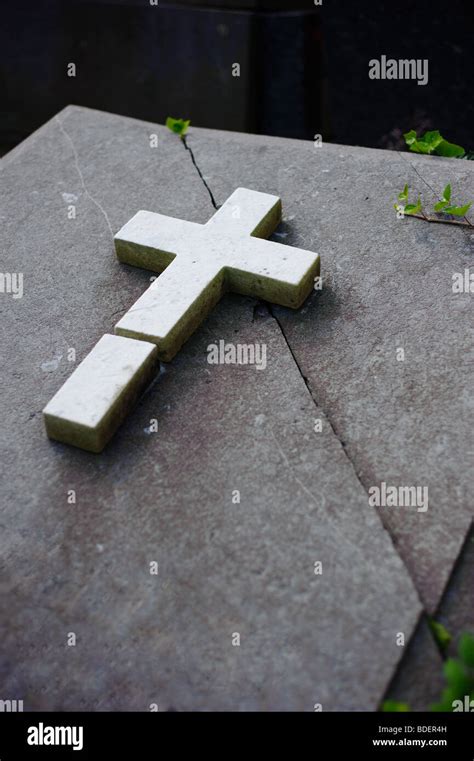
[{"x": 199, "y": 263}]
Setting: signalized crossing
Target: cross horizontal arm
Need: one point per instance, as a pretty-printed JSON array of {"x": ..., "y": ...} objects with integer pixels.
[
  {"x": 151, "y": 241},
  {"x": 273, "y": 272}
]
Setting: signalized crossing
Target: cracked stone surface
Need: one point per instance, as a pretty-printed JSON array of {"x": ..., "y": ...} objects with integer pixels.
[
  {"x": 387, "y": 285},
  {"x": 80, "y": 531}
]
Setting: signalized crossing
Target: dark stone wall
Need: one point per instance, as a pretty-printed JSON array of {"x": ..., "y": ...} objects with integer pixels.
[
  {"x": 375, "y": 113},
  {"x": 153, "y": 62},
  {"x": 304, "y": 69}
]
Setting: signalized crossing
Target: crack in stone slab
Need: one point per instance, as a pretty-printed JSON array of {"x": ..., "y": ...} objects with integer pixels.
[
  {"x": 424, "y": 613},
  {"x": 317, "y": 405},
  {"x": 343, "y": 445},
  {"x": 81, "y": 176},
  {"x": 412, "y": 166},
  {"x": 365, "y": 562},
  {"x": 190, "y": 151}
]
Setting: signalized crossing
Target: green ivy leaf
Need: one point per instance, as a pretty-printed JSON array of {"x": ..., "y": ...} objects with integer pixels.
[
  {"x": 440, "y": 633},
  {"x": 448, "y": 696},
  {"x": 413, "y": 208},
  {"x": 403, "y": 196},
  {"x": 432, "y": 142},
  {"x": 178, "y": 126},
  {"x": 419, "y": 146},
  {"x": 391, "y": 706},
  {"x": 450, "y": 150},
  {"x": 433, "y": 138},
  {"x": 456, "y": 677},
  {"x": 466, "y": 650},
  {"x": 425, "y": 144},
  {"x": 444, "y": 200},
  {"x": 457, "y": 211},
  {"x": 410, "y": 137}
]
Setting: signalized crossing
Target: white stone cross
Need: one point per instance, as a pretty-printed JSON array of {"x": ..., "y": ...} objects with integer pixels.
[{"x": 199, "y": 264}]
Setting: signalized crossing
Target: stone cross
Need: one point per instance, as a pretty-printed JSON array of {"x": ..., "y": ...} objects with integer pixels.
[{"x": 199, "y": 264}]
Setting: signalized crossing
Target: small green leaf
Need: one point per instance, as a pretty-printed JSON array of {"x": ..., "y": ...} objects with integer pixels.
[
  {"x": 456, "y": 677},
  {"x": 178, "y": 126},
  {"x": 432, "y": 138},
  {"x": 448, "y": 696},
  {"x": 440, "y": 205},
  {"x": 410, "y": 137},
  {"x": 457, "y": 211},
  {"x": 440, "y": 633},
  {"x": 433, "y": 142},
  {"x": 466, "y": 649},
  {"x": 394, "y": 706},
  {"x": 450, "y": 150},
  {"x": 413, "y": 208},
  {"x": 425, "y": 144},
  {"x": 447, "y": 193},
  {"x": 459, "y": 676},
  {"x": 419, "y": 146},
  {"x": 403, "y": 196}
]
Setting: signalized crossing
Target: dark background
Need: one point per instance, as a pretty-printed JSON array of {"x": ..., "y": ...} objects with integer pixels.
[{"x": 304, "y": 69}]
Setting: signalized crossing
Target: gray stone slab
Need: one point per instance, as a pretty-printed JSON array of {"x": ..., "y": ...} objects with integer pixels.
[
  {"x": 83, "y": 567},
  {"x": 388, "y": 284}
]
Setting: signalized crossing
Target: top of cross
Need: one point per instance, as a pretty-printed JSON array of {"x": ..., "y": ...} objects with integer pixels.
[{"x": 200, "y": 262}]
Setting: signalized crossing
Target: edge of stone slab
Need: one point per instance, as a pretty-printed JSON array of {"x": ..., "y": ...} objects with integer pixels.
[
  {"x": 63, "y": 113},
  {"x": 230, "y": 135},
  {"x": 252, "y": 138}
]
